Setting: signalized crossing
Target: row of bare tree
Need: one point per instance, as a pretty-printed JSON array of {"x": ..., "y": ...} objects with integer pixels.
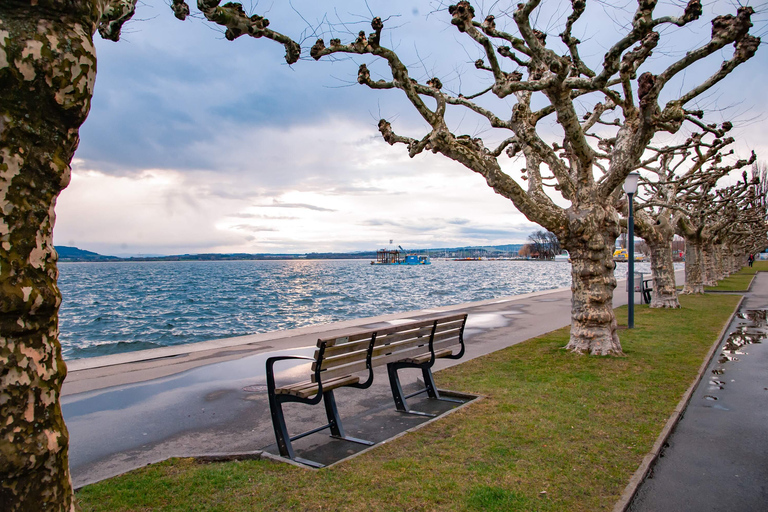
[
  {"x": 560, "y": 135},
  {"x": 682, "y": 193}
]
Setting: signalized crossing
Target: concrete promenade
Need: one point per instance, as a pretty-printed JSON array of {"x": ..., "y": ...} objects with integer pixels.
[{"x": 129, "y": 410}]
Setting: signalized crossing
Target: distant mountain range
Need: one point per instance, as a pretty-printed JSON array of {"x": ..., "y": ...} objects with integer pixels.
[{"x": 67, "y": 253}]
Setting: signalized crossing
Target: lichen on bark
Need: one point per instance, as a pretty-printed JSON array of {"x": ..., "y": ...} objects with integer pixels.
[{"x": 47, "y": 74}]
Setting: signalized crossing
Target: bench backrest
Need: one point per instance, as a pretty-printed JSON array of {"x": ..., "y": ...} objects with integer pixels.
[{"x": 345, "y": 355}]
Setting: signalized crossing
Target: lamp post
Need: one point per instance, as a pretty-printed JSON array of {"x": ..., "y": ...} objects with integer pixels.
[{"x": 630, "y": 187}]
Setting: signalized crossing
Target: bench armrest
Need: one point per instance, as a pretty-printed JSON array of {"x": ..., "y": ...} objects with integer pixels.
[
  {"x": 270, "y": 369},
  {"x": 460, "y": 353}
]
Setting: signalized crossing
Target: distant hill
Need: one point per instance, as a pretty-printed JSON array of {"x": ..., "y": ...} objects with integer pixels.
[{"x": 67, "y": 253}]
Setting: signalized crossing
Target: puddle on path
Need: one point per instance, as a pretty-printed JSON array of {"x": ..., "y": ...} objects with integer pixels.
[
  {"x": 751, "y": 329},
  {"x": 479, "y": 322},
  {"x": 132, "y": 416}
]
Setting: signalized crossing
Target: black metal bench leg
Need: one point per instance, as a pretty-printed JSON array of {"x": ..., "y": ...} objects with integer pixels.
[
  {"x": 334, "y": 420},
  {"x": 432, "y": 392},
  {"x": 397, "y": 393},
  {"x": 429, "y": 383},
  {"x": 281, "y": 432}
]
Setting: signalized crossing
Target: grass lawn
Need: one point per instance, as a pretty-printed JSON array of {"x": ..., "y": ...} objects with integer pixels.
[
  {"x": 556, "y": 432},
  {"x": 739, "y": 282}
]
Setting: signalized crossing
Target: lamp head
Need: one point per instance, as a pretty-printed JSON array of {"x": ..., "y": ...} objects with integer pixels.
[{"x": 630, "y": 184}]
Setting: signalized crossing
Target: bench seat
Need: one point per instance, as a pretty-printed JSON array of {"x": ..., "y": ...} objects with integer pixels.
[{"x": 308, "y": 388}]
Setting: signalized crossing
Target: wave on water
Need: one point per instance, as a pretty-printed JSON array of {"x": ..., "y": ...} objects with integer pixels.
[{"x": 115, "y": 307}]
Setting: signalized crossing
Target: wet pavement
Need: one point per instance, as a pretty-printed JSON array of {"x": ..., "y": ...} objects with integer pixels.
[
  {"x": 129, "y": 410},
  {"x": 211, "y": 398},
  {"x": 717, "y": 457}
]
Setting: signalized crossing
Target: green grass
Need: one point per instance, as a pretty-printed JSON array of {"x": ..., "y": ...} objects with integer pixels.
[
  {"x": 740, "y": 281},
  {"x": 555, "y": 432}
]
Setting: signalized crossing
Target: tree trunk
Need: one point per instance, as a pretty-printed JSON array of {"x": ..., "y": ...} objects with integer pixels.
[
  {"x": 47, "y": 72},
  {"x": 658, "y": 234},
  {"x": 708, "y": 274},
  {"x": 693, "y": 267},
  {"x": 718, "y": 273},
  {"x": 725, "y": 260},
  {"x": 590, "y": 242},
  {"x": 663, "y": 272}
]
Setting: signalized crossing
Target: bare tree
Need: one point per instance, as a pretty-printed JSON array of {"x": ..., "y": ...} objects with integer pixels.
[
  {"x": 704, "y": 213},
  {"x": 526, "y": 251},
  {"x": 748, "y": 233},
  {"x": 553, "y": 243},
  {"x": 622, "y": 100},
  {"x": 545, "y": 244},
  {"x": 47, "y": 72},
  {"x": 675, "y": 172}
]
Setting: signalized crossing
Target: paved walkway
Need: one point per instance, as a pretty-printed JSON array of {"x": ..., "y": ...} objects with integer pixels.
[
  {"x": 129, "y": 410},
  {"x": 717, "y": 457}
]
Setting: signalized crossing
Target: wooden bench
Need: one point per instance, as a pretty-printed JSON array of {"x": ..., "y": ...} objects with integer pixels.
[{"x": 339, "y": 361}]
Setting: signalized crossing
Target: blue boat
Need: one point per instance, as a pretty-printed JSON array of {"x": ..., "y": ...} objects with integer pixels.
[{"x": 387, "y": 257}]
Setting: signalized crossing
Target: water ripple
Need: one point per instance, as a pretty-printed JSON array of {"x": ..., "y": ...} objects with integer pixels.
[{"x": 109, "y": 308}]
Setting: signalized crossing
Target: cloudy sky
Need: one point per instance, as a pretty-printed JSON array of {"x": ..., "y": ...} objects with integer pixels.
[{"x": 197, "y": 144}]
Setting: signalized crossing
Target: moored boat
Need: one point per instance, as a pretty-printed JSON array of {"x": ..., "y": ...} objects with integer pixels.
[{"x": 389, "y": 257}]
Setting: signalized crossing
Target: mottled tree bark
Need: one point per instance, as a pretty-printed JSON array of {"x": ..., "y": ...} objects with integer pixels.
[
  {"x": 693, "y": 267},
  {"x": 47, "y": 72},
  {"x": 590, "y": 243},
  {"x": 663, "y": 272},
  {"x": 658, "y": 233},
  {"x": 720, "y": 266},
  {"x": 709, "y": 265}
]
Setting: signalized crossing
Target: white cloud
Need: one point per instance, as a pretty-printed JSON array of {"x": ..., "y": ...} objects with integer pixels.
[
  {"x": 354, "y": 194},
  {"x": 197, "y": 144}
]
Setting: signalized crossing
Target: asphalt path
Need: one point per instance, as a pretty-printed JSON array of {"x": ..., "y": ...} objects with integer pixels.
[{"x": 717, "y": 457}]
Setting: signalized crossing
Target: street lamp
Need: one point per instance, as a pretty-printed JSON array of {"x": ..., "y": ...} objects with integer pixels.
[{"x": 630, "y": 187}]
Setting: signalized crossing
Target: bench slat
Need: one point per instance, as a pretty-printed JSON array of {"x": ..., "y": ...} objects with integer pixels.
[
  {"x": 421, "y": 323},
  {"x": 421, "y": 332},
  {"x": 393, "y": 341},
  {"x": 344, "y": 348},
  {"x": 382, "y": 360},
  {"x": 423, "y": 358},
  {"x": 354, "y": 336},
  {"x": 346, "y": 355},
  {"x": 308, "y": 388},
  {"x": 384, "y": 345}
]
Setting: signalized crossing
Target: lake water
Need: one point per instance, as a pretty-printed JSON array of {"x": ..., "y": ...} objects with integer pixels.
[{"x": 117, "y": 307}]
